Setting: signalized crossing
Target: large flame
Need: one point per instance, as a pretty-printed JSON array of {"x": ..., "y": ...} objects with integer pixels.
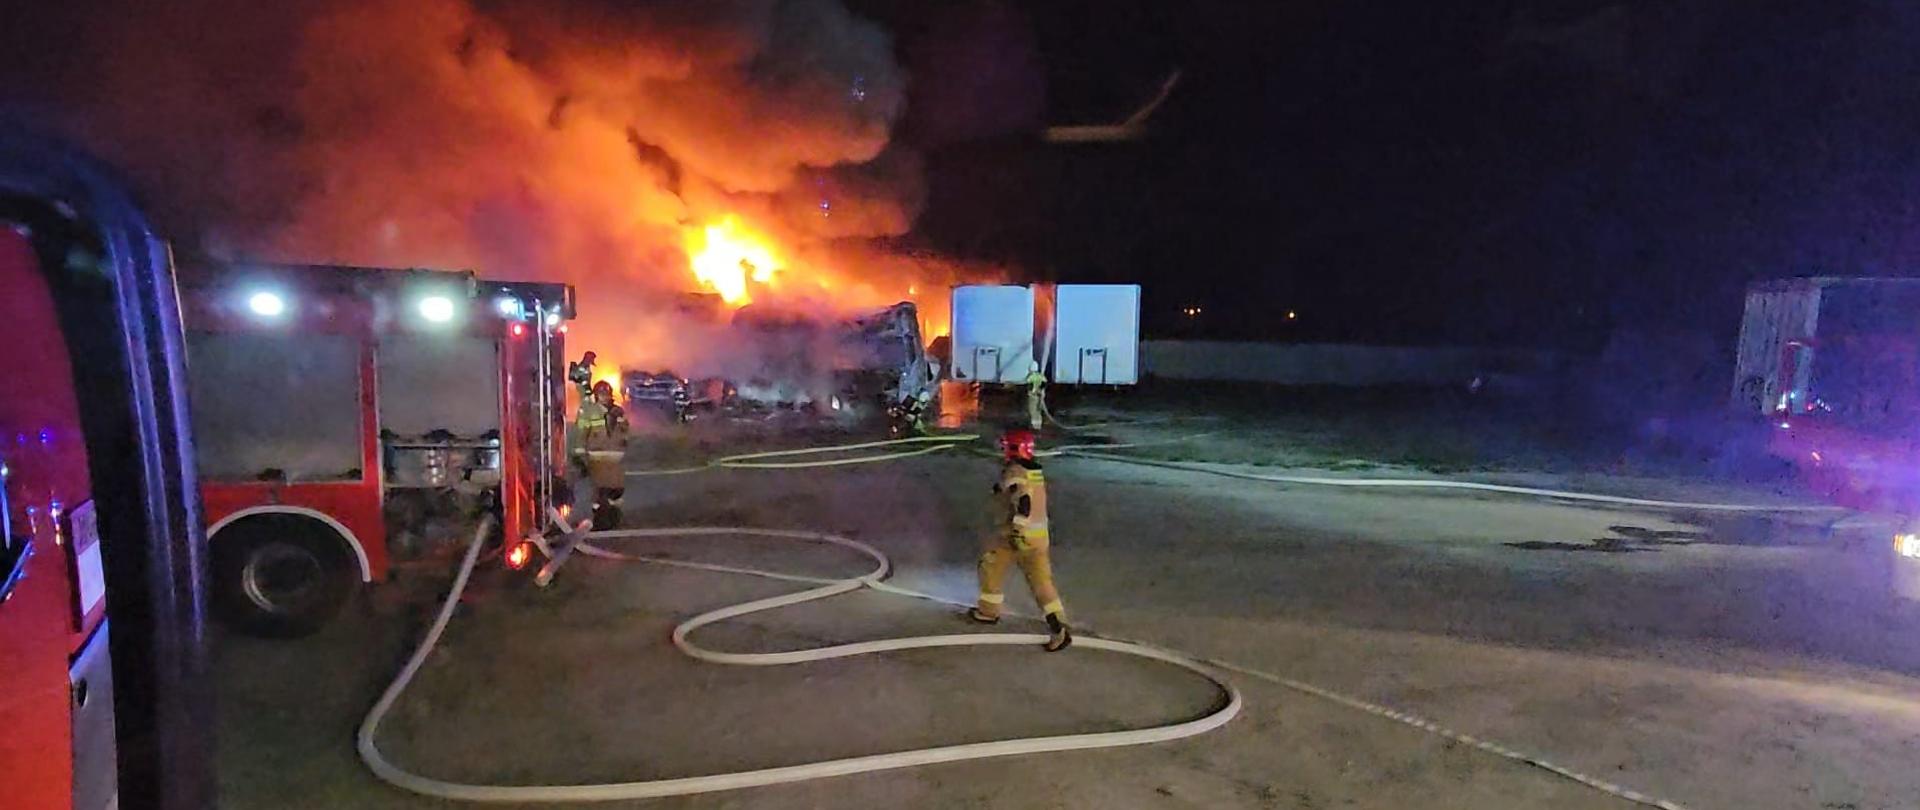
[
  {"x": 620, "y": 147},
  {"x": 726, "y": 256}
]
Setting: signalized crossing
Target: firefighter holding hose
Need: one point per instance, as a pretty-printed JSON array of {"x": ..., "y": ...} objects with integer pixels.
[
  {"x": 1020, "y": 537},
  {"x": 1036, "y": 394}
]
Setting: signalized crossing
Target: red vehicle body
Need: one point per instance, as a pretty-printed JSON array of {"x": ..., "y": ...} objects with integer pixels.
[
  {"x": 340, "y": 410},
  {"x": 104, "y": 553},
  {"x": 97, "y": 513},
  {"x": 1858, "y": 468},
  {"x": 49, "y": 618}
]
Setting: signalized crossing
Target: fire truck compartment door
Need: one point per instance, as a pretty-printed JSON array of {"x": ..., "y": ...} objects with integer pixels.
[
  {"x": 36, "y": 619},
  {"x": 439, "y": 382},
  {"x": 90, "y": 682},
  {"x": 276, "y": 402}
]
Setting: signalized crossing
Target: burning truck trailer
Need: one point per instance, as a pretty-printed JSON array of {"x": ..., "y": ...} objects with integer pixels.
[
  {"x": 1833, "y": 366},
  {"x": 850, "y": 369},
  {"x": 350, "y": 418}
]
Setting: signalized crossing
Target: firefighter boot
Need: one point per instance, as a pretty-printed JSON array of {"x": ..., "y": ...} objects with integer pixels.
[
  {"x": 1059, "y": 635},
  {"x": 606, "y": 508}
]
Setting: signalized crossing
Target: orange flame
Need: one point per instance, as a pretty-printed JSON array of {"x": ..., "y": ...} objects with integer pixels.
[
  {"x": 726, "y": 256},
  {"x": 606, "y": 371}
]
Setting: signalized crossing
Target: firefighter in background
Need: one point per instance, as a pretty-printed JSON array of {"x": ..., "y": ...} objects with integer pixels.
[
  {"x": 600, "y": 445},
  {"x": 1020, "y": 537},
  {"x": 1036, "y": 394},
  {"x": 910, "y": 415}
]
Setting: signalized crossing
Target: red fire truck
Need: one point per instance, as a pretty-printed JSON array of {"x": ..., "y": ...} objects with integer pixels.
[
  {"x": 346, "y": 418},
  {"x": 103, "y": 698}
]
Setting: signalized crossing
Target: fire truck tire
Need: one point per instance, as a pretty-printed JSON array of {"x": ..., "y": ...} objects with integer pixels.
[{"x": 280, "y": 576}]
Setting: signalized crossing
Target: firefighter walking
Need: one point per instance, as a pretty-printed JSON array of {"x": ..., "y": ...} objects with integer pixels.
[
  {"x": 1020, "y": 537},
  {"x": 601, "y": 447},
  {"x": 1036, "y": 395}
]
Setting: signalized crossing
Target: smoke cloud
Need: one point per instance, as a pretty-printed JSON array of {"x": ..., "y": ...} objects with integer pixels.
[{"x": 574, "y": 141}]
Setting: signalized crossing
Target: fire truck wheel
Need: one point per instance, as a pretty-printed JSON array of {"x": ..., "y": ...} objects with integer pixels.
[{"x": 280, "y": 576}]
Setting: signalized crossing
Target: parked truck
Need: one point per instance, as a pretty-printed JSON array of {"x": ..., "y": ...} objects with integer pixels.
[
  {"x": 1833, "y": 365},
  {"x": 349, "y": 417},
  {"x": 342, "y": 418},
  {"x": 1833, "y": 345}
]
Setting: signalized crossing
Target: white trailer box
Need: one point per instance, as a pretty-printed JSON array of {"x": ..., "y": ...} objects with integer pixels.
[
  {"x": 1845, "y": 345},
  {"x": 1096, "y": 331},
  {"x": 992, "y": 333}
]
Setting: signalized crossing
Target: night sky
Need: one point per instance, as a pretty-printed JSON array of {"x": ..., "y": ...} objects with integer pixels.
[{"x": 1505, "y": 171}]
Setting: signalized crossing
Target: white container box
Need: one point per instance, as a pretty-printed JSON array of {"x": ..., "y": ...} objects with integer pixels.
[
  {"x": 1096, "y": 334},
  {"x": 992, "y": 333}
]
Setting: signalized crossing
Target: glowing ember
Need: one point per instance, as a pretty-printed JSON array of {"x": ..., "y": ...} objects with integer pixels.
[{"x": 726, "y": 255}]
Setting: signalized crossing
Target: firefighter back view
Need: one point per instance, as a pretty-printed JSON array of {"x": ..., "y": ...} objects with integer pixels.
[{"x": 1020, "y": 536}]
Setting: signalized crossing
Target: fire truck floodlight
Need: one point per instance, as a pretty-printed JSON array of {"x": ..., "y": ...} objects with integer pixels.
[
  {"x": 436, "y": 308},
  {"x": 267, "y": 305},
  {"x": 553, "y": 319},
  {"x": 509, "y": 306}
]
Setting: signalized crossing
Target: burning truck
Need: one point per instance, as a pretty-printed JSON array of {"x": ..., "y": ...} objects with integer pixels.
[{"x": 852, "y": 368}]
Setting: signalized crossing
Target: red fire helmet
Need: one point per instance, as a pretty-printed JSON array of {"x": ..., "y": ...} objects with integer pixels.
[{"x": 1017, "y": 443}]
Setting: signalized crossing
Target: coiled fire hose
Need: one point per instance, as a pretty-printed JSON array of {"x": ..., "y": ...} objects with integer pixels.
[
  {"x": 824, "y": 588},
  {"x": 370, "y": 754}
]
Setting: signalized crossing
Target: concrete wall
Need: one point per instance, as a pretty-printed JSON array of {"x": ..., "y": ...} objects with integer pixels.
[{"x": 1332, "y": 364}]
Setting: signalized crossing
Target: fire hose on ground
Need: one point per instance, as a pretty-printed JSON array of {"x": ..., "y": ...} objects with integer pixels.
[
  {"x": 1472, "y": 486},
  {"x": 823, "y": 588},
  {"x": 760, "y": 461},
  {"x": 1083, "y": 451}
]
